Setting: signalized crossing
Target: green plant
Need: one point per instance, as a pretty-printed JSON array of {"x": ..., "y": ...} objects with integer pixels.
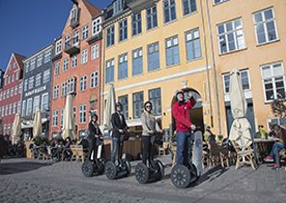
[
  {"x": 40, "y": 140},
  {"x": 220, "y": 137}
]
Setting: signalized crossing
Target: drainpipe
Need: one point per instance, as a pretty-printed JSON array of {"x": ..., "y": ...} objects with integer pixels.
[
  {"x": 214, "y": 70},
  {"x": 207, "y": 65}
]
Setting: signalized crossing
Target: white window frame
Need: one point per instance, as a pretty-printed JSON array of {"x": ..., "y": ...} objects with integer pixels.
[
  {"x": 96, "y": 26},
  {"x": 58, "y": 47},
  {"x": 95, "y": 51},
  {"x": 74, "y": 61},
  {"x": 84, "y": 55},
  {"x": 83, "y": 81},
  {"x": 82, "y": 114},
  {"x": 55, "y": 118},
  {"x": 85, "y": 32},
  {"x": 227, "y": 74},
  {"x": 42, "y": 99},
  {"x": 57, "y": 68},
  {"x": 94, "y": 79},
  {"x": 65, "y": 64},
  {"x": 36, "y": 105}
]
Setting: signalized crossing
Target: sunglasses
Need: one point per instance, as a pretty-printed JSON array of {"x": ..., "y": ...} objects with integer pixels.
[{"x": 148, "y": 106}]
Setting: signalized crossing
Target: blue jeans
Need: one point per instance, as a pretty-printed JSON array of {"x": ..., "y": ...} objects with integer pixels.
[
  {"x": 276, "y": 148},
  {"x": 184, "y": 140},
  {"x": 116, "y": 146}
]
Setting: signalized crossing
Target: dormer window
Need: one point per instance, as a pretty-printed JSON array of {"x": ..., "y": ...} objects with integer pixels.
[
  {"x": 74, "y": 17},
  {"x": 96, "y": 26},
  {"x": 117, "y": 6}
]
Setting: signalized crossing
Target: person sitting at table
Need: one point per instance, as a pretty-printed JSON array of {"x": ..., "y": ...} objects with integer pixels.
[
  {"x": 67, "y": 150},
  {"x": 277, "y": 146}
]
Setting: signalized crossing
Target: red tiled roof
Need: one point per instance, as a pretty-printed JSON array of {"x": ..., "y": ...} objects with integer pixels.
[
  {"x": 91, "y": 8},
  {"x": 19, "y": 59}
]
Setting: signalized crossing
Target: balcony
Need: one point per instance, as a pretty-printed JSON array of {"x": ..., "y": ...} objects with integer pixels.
[{"x": 72, "y": 47}]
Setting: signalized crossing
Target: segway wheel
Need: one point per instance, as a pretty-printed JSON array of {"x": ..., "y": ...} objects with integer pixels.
[
  {"x": 127, "y": 167},
  {"x": 142, "y": 173},
  {"x": 100, "y": 166},
  {"x": 180, "y": 176},
  {"x": 110, "y": 170},
  {"x": 161, "y": 168},
  {"x": 87, "y": 168}
]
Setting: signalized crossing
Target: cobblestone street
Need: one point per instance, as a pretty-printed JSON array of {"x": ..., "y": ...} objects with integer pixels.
[{"x": 24, "y": 180}]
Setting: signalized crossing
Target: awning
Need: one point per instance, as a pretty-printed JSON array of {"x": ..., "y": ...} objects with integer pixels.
[{"x": 30, "y": 123}]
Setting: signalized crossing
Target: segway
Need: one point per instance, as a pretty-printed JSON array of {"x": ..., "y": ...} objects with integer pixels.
[
  {"x": 182, "y": 176},
  {"x": 154, "y": 172},
  {"x": 94, "y": 167},
  {"x": 119, "y": 170}
]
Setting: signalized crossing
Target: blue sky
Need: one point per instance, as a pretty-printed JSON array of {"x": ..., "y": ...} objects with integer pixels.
[{"x": 29, "y": 25}]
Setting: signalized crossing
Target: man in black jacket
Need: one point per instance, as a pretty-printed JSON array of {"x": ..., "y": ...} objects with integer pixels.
[{"x": 118, "y": 132}]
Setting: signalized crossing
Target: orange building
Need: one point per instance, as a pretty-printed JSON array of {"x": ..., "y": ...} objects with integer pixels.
[{"x": 76, "y": 67}]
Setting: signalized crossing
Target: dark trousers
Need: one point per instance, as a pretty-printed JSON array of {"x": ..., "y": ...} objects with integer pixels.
[
  {"x": 148, "y": 150},
  {"x": 117, "y": 146},
  {"x": 92, "y": 147}
]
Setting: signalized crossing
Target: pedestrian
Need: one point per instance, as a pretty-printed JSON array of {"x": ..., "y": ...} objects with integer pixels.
[
  {"x": 181, "y": 113},
  {"x": 150, "y": 129},
  {"x": 277, "y": 146},
  {"x": 119, "y": 131},
  {"x": 94, "y": 137}
]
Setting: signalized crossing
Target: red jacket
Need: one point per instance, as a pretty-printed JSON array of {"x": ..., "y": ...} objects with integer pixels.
[{"x": 181, "y": 113}]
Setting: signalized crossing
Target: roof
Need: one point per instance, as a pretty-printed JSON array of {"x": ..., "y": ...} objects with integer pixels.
[
  {"x": 91, "y": 8},
  {"x": 19, "y": 59}
]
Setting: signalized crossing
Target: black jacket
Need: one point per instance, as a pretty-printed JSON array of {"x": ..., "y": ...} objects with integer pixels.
[
  {"x": 117, "y": 124},
  {"x": 93, "y": 130}
]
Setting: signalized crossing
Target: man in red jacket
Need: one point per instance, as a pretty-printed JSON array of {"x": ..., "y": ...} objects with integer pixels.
[{"x": 181, "y": 113}]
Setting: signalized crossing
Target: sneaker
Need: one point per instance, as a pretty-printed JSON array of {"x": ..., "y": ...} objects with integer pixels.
[
  {"x": 275, "y": 166},
  {"x": 268, "y": 159}
]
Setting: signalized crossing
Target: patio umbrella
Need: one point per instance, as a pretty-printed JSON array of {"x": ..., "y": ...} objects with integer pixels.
[
  {"x": 16, "y": 129},
  {"x": 240, "y": 129},
  {"x": 68, "y": 124},
  {"x": 109, "y": 108},
  {"x": 37, "y": 127}
]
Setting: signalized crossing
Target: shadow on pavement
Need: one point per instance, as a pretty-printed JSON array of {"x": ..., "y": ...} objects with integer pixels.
[
  {"x": 20, "y": 167},
  {"x": 212, "y": 174}
]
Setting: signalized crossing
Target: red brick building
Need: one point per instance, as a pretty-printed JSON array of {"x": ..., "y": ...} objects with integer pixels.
[
  {"x": 76, "y": 67},
  {"x": 10, "y": 94}
]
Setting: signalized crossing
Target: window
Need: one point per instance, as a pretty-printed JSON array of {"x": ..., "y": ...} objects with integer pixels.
[
  {"x": 62, "y": 118},
  {"x": 137, "y": 62},
  {"x": 67, "y": 41},
  {"x": 151, "y": 15},
  {"x": 93, "y": 79},
  {"x": 9, "y": 79},
  {"x": 169, "y": 10},
  {"x": 55, "y": 118},
  {"x": 124, "y": 101},
  {"x": 74, "y": 114},
  {"x": 46, "y": 76},
  {"x": 153, "y": 56},
  {"x": 1, "y": 96},
  {"x": 138, "y": 103},
  {"x": 155, "y": 99},
  {"x": 96, "y": 26},
  {"x": 26, "y": 69},
  {"x": 25, "y": 85},
  {"x": 117, "y": 6},
  {"x": 265, "y": 26},
  {"x": 84, "y": 56},
  {"x": 12, "y": 78},
  {"x": 83, "y": 83},
  {"x": 33, "y": 63},
  {"x": 122, "y": 66},
  {"x": 172, "y": 51},
  {"x": 15, "y": 91},
  {"x": 110, "y": 36},
  {"x": 219, "y": 1},
  {"x": 74, "y": 15},
  {"x": 230, "y": 36},
  {"x": 66, "y": 64},
  {"x": 47, "y": 56},
  {"x": 74, "y": 61},
  {"x": 136, "y": 24},
  {"x": 4, "y": 94},
  {"x": 276, "y": 121},
  {"x": 45, "y": 102},
  {"x": 36, "y": 103},
  {"x": 94, "y": 51},
  {"x": 123, "y": 30},
  {"x": 12, "y": 91},
  {"x": 17, "y": 75},
  {"x": 19, "y": 107},
  {"x": 10, "y": 109},
  {"x": 109, "y": 76},
  {"x": 38, "y": 79},
  {"x": 6, "y": 110},
  {"x": 57, "y": 68},
  {"x": 273, "y": 81},
  {"x": 193, "y": 45},
  {"x": 244, "y": 80},
  {"x": 70, "y": 85},
  {"x": 8, "y": 93},
  {"x": 85, "y": 32},
  {"x": 29, "y": 107},
  {"x": 189, "y": 6},
  {"x": 75, "y": 37},
  {"x": 20, "y": 88},
  {"x": 3, "y": 111},
  {"x": 31, "y": 82},
  {"x": 56, "y": 92},
  {"x": 63, "y": 89},
  {"x": 39, "y": 60},
  {"x": 58, "y": 47},
  {"x": 82, "y": 114}
]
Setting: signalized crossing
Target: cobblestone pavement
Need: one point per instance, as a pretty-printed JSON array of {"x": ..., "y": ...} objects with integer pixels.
[{"x": 24, "y": 180}]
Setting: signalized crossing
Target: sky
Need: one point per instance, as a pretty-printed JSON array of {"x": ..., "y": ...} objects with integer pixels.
[{"x": 27, "y": 26}]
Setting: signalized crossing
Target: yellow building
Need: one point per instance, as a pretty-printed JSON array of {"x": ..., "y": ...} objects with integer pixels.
[{"x": 152, "y": 48}]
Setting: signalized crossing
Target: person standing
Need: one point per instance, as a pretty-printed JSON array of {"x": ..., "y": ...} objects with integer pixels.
[
  {"x": 181, "y": 113},
  {"x": 118, "y": 132},
  {"x": 93, "y": 137},
  {"x": 150, "y": 128}
]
